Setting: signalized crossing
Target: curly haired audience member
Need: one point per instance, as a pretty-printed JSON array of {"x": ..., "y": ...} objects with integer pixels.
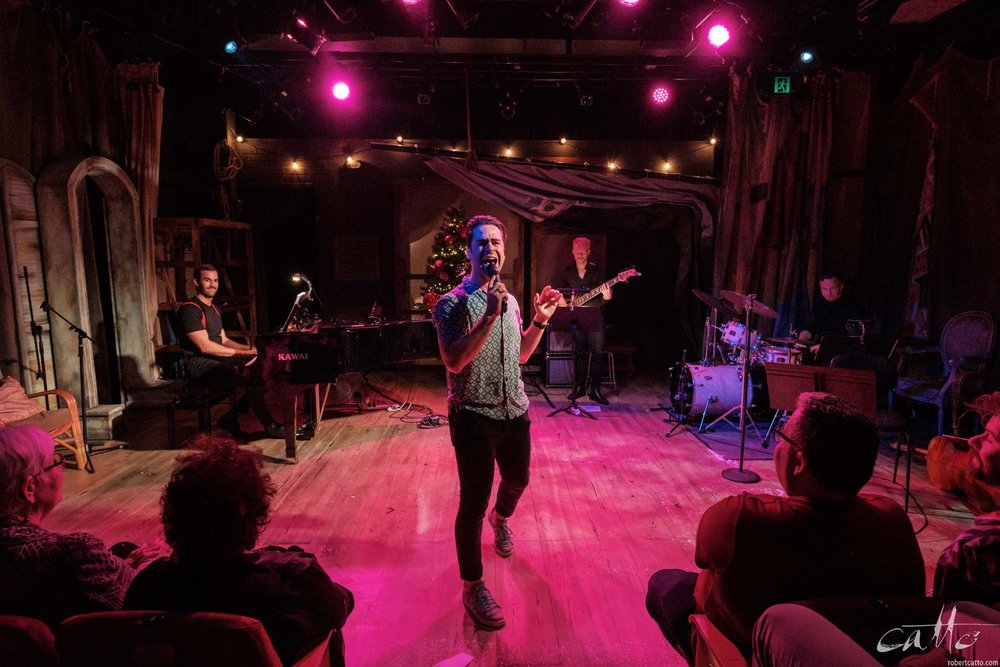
[
  {"x": 215, "y": 506},
  {"x": 43, "y": 574}
]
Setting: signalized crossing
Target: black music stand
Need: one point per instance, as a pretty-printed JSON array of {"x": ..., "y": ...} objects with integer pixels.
[{"x": 573, "y": 320}]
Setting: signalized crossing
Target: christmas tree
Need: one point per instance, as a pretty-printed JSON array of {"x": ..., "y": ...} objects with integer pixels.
[{"x": 447, "y": 264}]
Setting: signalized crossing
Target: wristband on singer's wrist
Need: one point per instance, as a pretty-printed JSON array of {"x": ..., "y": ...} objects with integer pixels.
[{"x": 541, "y": 325}]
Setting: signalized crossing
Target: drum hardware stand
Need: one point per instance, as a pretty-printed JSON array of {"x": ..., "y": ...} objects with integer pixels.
[
  {"x": 740, "y": 474},
  {"x": 779, "y": 416}
]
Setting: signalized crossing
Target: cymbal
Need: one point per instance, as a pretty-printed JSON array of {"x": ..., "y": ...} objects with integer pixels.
[
  {"x": 740, "y": 300},
  {"x": 714, "y": 302}
]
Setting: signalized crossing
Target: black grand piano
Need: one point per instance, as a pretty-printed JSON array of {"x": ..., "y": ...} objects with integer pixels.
[{"x": 292, "y": 362}]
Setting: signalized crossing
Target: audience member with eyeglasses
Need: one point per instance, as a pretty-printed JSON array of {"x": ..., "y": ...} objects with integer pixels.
[
  {"x": 821, "y": 539},
  {"x": 43, "y": 574}
]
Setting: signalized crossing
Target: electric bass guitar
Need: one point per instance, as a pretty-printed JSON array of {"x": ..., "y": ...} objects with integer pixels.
[{"x": 620, "y": 278}]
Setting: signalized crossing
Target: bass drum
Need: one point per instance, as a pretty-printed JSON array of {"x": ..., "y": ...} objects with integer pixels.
[{"x": 693, "y": 387}]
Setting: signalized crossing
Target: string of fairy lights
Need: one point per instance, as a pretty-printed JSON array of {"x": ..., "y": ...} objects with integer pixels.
[{"x": 508, "y": 151}]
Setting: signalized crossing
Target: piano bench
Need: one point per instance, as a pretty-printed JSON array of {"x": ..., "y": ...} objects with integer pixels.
[{"x": 179, "y": 395}]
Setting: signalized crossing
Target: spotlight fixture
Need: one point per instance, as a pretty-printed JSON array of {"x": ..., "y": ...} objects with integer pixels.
[
  {"x": 296, "y": 166},
  {"x": 508, "y": 106},
  {"x": 239, "y": 138},
  {"x": 629, "y": 3},
  {"x": 806, "y": 56},
  {"x": 399, "y": 139},
  {"x": 231, "y": 47},
  {"x": 713, "y": 141},
  {"x": 562, "y": 141},
  {"x": 612, "y": 165},
  {"x": 299, "y": 31},
  {"x": 341, "y": 91},
  {"x": 423, "y": 99},
  {"x": 718, "y": 35},
  {"x": 571, "y": 13},
  {"x": 351, "y": 163},
  {"x": 666, "y": 165},
  {"x": 659, "y": 95},
  {"x": 508, "y": 152},
  {"x": 586, "y": 100}
]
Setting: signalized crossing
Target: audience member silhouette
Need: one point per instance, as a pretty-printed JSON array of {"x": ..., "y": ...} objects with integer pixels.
[{"x": 215, "y": 506}]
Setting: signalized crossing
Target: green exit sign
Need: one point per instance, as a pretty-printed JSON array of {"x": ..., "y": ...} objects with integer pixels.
[{"x": 782, "y": 84}]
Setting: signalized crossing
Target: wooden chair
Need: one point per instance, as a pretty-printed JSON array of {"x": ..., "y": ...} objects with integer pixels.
[
  {"x": 62, "y": 423},
  {"x": 168, "y": 639},
  {"x": 712, "y": 648},
  {"x": 966, "y": 346},
  {"x": 26, "y": 642}
]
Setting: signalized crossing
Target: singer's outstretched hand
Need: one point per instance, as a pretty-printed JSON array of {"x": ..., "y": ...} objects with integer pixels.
[{"x": 546, "y": 302}]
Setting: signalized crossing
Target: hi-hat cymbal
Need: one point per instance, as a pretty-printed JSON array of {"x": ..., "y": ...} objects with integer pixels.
[
  {"x": 740, "y": 301},
  {"x": 714, "y": 302}
]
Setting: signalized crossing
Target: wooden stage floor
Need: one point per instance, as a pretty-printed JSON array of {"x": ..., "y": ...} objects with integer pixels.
[{"x": 374, "y": 496}]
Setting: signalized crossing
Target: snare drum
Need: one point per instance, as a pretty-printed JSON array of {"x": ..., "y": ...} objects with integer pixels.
[
  {"x": 734, "y": 335},
  {"x": 694, "y": 387},
  {"x": 778, "y": 355}
]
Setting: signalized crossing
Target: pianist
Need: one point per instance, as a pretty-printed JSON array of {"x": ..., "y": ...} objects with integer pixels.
[
  {"x": 482, "y": 343},
  {"x": 217, "y": 360}
]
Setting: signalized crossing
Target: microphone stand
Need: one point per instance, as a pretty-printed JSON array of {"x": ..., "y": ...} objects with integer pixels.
[
  {"x": 742, "y": 475},
  {"x": 295, "y": 307},
  {"x": 38, "y": 338},
  {"x": 81, "y": 335}
]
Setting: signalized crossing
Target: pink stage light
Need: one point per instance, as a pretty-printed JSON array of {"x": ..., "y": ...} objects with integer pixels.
[
  {"x": 660, "y": 95},
  {"x": 341, "y": 91},
  {"x": 410, "y": 3},
  {"x": 629, "y": 3},
  {"x": 718, "y": 35}
]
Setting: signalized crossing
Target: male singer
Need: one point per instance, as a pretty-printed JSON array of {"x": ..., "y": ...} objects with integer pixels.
[{"x": 483, "y": 346}]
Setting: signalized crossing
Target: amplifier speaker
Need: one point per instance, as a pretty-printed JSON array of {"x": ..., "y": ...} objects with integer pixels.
[{"x": 558, "y": 370}]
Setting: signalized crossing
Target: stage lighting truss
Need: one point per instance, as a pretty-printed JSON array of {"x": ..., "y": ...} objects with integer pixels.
[
  {"x": 571, "y": 13},
  {"x": 466, "y": 17}
]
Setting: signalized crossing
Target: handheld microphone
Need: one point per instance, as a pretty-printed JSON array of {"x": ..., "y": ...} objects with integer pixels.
[{"x": 490, "y": 269}]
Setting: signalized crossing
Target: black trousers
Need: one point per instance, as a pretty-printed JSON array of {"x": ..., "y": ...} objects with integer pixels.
[
  {"x": 670, "y": 601},
  {"x": 227, "y": 374},
  {"x": 592, "y": 342},
  {"x": 480, "y": 442}
]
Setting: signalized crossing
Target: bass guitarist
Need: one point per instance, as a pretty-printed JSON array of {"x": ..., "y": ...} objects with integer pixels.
[{"x": 584, "y": 275}]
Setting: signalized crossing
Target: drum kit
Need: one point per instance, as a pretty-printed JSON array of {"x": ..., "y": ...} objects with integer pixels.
[{"x": 730, "y": 374}]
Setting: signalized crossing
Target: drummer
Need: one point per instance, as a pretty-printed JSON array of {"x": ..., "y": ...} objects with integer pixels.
[{"x": 832, "y": 312}]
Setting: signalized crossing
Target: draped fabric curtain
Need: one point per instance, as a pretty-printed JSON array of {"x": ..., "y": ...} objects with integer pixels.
[
  {"x": 141, "y": 98},
  {"x": 539, "y": 193},
  {"x": 58, "y": 89},
  {"x": 774, "y": 187},
  {"x": 961, "y": 102}
]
